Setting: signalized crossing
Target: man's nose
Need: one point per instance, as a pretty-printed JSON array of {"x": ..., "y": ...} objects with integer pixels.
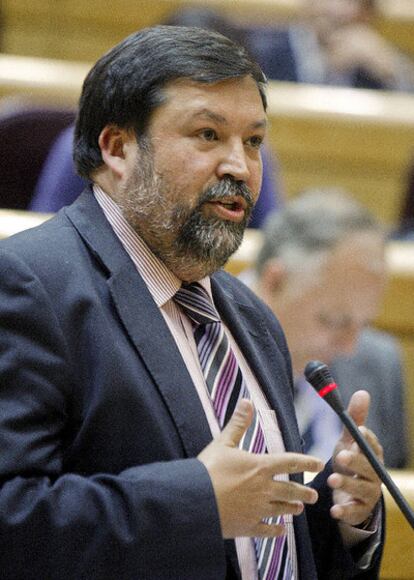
[{"x": 234, "y": 163}]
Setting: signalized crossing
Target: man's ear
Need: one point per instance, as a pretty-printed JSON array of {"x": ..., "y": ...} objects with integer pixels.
[
  {"x": 272, "y": 278},
  {"x": 115, "y": 144}
]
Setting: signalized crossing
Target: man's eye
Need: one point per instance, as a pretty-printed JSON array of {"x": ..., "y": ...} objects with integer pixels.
[
  {"x": 256, "y": 141},
  {"x": 208, "y": 135}
]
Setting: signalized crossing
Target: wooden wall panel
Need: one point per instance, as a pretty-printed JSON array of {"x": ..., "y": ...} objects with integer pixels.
[
  {"x": 360, "y": 140},
  {"x": 398, "y": 560}
]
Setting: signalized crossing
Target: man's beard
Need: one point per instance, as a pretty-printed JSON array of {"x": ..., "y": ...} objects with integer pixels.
[{"x": 191, "y": 244}]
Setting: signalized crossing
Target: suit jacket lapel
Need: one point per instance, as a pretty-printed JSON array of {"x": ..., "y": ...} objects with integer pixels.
[
  {"x": 146, "y": 327},
  {"x": 144, "y": 324}
]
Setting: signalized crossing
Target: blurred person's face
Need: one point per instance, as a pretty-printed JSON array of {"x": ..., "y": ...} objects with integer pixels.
[
  {"x": 327, "y": 16},
  {"x": 323, "y": 313},
  {"x": 190, "y": 192}
]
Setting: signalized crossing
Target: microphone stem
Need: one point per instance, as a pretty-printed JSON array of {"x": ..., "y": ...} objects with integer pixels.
[{"x": 378, "y": 467}]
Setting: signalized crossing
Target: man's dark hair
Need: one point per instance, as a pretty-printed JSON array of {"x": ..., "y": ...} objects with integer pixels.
[{"x": 126, "y": 84}]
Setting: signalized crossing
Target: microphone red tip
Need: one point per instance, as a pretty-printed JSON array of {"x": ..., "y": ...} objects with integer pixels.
[{"x": 327, "y": 389}]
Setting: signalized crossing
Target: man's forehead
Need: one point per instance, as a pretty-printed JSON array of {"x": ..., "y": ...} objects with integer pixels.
[
  {"x": 198, "y": 97},
  {"x": 364, "y": 250},
  {"x": 360, "y": 254},
  {"x": 205, "y": 113}
]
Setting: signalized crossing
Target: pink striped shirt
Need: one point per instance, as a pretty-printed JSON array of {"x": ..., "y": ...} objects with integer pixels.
[{"x": 162, "y": 285}]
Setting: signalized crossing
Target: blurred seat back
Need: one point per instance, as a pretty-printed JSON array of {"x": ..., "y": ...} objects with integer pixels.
[
  {"x": 58, "y": 184},
  {"x": 26, "y": 134}
]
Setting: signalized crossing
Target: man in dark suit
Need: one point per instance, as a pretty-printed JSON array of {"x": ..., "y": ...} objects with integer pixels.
[{"x": 108, "y": 466}]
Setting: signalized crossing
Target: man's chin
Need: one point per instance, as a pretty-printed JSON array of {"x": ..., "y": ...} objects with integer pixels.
[
  {"x": 195, "y": 262},
  {"x": 211, "y": 239}
]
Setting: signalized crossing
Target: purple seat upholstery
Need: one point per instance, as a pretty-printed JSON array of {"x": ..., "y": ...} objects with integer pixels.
[
  {"x": 26, "y": 134},
  {"x": 58, "y": 184}
]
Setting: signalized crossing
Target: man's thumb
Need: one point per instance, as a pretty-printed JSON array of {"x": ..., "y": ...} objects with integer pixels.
[
  {"x": 358, "y": 407},
  {"x": 238, "y": 423}
]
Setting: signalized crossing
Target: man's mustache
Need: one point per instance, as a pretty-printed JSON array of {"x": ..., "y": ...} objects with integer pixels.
[{"x": 228, "y": 188}]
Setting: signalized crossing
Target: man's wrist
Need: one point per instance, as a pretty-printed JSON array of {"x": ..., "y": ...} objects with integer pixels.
[{"x": 367, "y": 523}]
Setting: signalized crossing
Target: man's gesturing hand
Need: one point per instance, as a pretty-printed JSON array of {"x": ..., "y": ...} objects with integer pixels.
[
  {"x": 243, "y": 482},
  {"x": 357, "y": 488}
]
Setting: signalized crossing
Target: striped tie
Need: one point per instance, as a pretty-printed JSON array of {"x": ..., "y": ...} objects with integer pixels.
[{"x": 226, "y": 385}]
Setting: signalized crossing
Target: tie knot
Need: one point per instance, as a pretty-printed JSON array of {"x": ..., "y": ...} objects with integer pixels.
[{"x": 196, "y": 303}]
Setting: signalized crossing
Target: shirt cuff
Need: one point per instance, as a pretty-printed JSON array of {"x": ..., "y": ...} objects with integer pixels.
[{"x": 352, "y": 536}]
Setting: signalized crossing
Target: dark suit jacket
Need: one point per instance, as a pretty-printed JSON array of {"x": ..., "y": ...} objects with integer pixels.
[{"x": 100, "y": 423}]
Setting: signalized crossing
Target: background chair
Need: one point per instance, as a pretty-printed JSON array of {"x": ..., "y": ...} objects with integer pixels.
[{"x": 26, "y": 133}]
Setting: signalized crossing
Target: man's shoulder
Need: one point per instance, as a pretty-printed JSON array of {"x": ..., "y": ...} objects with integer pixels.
[
  {"x": 377, "y": 342},
  {"x": 272, "y": 48},
  {"x": 28, "y": 240},
  {"x": 52, "y": 236},
  {"x": 376, "y": 360},
  {"x": 47, "y": 248}
]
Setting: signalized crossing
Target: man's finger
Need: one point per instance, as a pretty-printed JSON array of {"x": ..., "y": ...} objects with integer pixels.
[
  {"x": 352, "y": 513},
  {"x": 293, "y": 463},
  {"x": 358, "y": 409},
  {"x": 264, "y": 530},
  {"x": 359, "y": 406},
  {"x": 373, "y": 442},
  {"x": 238, "y": 424}
]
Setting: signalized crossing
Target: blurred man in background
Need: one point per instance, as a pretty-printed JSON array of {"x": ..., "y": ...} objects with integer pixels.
[{"x": 322, "y": 271}]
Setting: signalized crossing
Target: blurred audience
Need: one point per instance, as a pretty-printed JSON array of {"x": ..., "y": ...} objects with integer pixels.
[
  {"x": 334, "y": 42},
  {"x": 209, "y": 19},
  {"x": 405, "y": 230},
  {"x": 321, "y": 269}
]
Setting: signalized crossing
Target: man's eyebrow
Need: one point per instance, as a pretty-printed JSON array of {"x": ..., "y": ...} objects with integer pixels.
[
  {"x": 208, "y": 114},
  {"x": 215, "y": 117}
]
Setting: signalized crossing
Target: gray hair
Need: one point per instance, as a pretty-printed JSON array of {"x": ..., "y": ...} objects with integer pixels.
[{"x": 312, "y": 224}]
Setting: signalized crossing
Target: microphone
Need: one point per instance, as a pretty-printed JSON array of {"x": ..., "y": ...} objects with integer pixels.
[{"x": 319, "y": 376}]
